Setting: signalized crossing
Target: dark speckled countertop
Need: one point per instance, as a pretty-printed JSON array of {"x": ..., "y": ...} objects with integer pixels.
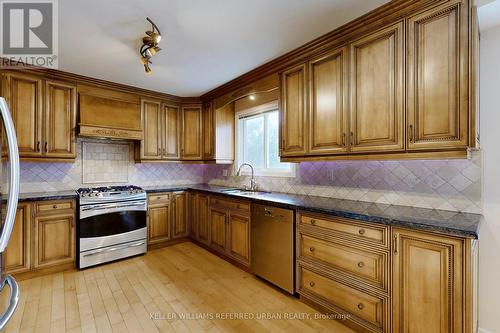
[{"x": 446, "y": 222}]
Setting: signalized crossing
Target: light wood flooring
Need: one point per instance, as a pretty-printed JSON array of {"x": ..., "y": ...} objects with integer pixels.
[{"x": 149, "y": 294}]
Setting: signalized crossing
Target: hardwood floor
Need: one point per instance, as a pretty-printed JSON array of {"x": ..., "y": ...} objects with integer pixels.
[{"x": 150, "y": 293}]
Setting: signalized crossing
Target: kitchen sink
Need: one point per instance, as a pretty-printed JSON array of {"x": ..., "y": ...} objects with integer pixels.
[{"x": 244, "y": 192}]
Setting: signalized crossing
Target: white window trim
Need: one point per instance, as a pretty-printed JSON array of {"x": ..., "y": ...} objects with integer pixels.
[{"x": 239, "y": 149}]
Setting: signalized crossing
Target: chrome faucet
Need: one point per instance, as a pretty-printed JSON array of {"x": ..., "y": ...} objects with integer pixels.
[{"x": 253, "y": 183}]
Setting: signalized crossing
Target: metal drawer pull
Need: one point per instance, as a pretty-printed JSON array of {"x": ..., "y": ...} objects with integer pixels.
[
  {"x": 313, "y": 222},
  {"x": 54, "y": 206},
  {"x": 312, "y": 249},
  {"x": 312, "y": 284},
  {"x": 361, "y": 231},
  {"x": 116, "y": 248},
  {"x": 361, "y": 264},
  {"x": 361, "y": 306}
]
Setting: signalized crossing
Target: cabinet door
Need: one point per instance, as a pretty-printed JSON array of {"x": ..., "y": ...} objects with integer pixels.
[
  {"x": 179, "y": 226},
  {"x": 427, "y": 283},
  {"x": 239, "y": 237},
  {"x": 293, "y": 111},
  {"x": 208, "y": 132},
  {"x": 25, "y": 103},
  {"x": 191, "y": 133},
  {"x": 158, "y": 224},
  {"x": 60, "y": 120},
  {"x": 171, "y": 131},
  {"x": 192, "y": 214},
  {"x": 437, "y": 78},
  {"x": 377, "y": 91},
  {"x": 17, "y": 257},
  {"x": 203, "y": 219},
  {"x": 151, "y": 123},
  {"x": 54, "y": 240},
  {"x": 218, "y": 229},
  {"x": 328, "y": 111}
]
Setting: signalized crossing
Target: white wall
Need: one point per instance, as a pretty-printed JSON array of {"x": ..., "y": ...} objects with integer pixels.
[{"x": 489, "y": 245}]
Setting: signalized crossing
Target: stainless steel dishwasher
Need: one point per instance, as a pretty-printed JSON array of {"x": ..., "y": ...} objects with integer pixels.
[{"x": 273, "y": 250}]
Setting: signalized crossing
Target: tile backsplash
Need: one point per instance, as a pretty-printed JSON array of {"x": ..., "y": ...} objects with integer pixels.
[
  {"x": 443, "y": 184},
  {"x": 102, "y": 163}
]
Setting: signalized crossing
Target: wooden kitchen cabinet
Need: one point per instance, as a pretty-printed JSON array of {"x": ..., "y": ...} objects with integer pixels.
[
  {"x": 377, "y": 91},
  {"x": 151, "y": 144},
  {"x": 180, "y": 227},
  {"x": 159, "y": 214},
  {"x": 44, "y": 115},
  {"x": 438, "y": 78},
  {"x": 428, "y": 283},
  {"x": 171, "y": 132},
  {"x": 25, "y": 98},
  {"x": 17, "y": 257},
  {"x": 208, "y": 131},
  {"x": 239, "y": 237},
  {"x": 218, "y": 229},
  {"x": 191, "y": 133},
  {"x": 218, "y": 133},
  {"x": 54, "y": 239},
  {"x": 203, "y": 231},
  {"x": 328, "y": 116},
  {"x": 294, "y": 111}
]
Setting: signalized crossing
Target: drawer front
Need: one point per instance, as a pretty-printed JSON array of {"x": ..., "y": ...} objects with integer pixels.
[
  {"x": 376, "y": 234},
  {"x": 54, "y": 207},
  {"x": 369, "y": 266},
  {"x": 235, "y": 205},
  {"x": 367, "y": 307},
  {"x": 158, "y": 198}
]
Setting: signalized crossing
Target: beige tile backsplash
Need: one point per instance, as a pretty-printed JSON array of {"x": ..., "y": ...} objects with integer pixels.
[{"x": 442, "y": 184}]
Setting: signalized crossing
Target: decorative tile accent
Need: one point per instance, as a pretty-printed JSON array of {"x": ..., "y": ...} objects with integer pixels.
[
  {"x": 105, "y": 163},
  {"x": 441, "y": 184}
]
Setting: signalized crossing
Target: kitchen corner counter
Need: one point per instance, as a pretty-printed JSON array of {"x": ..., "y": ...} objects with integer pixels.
[
  {"x": 432, "y": 220},
  {"x": 43, "y": 196}
]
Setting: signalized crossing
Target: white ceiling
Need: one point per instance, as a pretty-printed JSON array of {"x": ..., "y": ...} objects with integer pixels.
[
  {"x": 206, "y": 42},
  {"x": 489, "y": 14}
]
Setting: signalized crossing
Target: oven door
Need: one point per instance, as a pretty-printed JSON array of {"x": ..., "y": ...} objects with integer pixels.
[{"x": 111, "y": 226}]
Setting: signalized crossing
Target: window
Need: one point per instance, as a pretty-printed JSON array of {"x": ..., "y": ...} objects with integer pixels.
[{"x": 258, "y": 142}]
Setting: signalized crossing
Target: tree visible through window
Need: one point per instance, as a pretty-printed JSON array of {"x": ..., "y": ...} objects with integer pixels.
[{"x": 258, "y": 143}]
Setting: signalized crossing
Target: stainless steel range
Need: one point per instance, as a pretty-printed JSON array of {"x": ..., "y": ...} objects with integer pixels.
[{"x": 112, "y": 224}]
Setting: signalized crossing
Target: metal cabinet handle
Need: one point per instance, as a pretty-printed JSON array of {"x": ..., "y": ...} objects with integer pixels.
[
  {"x": 361, "y": 306},
  {"x": 343, "y": 139},
  {"x": 38, "y": 146},
  {"x": 312, "y": 284},
  {"x": 362, "y": 231},
  {"x": 395, "y": 244},
  {"x": 361, "y": 264},
  {"x": 312, "y": 249},
  {"x": 411, "y": 133},
  {"x": 352, "y": 139},
  {"x": 313, "y": 222},
  {"x": 54, "y": 206},
  {"x": 46, "y": 147}
]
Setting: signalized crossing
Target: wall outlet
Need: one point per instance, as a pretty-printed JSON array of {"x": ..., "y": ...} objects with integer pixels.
[{"x": 225, "y": 173}]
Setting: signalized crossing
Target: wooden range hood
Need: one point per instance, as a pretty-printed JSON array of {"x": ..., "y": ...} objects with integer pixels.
[{"x": 109, "y": 114}]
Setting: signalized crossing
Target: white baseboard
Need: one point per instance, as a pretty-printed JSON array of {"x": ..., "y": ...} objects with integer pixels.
[{"x": 482, "y": 330}]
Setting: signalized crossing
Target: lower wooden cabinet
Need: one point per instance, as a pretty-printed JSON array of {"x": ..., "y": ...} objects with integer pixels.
[
  {"x": 422, "y": 282},
  {"x": 218, "y": 229},
  {"x": 54, "y": 240},
  {"x": 238, "y": 243},
  {"x": 43, "y": 236},
  {"x": 158, "y": 218},
  {"x": 17, "y": 257},
  {"x": 179, "y": 220}
]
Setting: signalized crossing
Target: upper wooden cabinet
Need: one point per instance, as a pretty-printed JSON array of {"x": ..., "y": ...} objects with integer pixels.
[
  {"x": 377, "y": 114},
  {"x": 328, "y": 116},
  {"x": 191, "y": 133},
  {"x": 151, "y": 145},
  {"x": 44, "y": 115},
  {"x": 60, "y": 120},
  {"x": 294, "y": 111},
  {"x": 438, "y": 49},
  {"x": 208, "y": 131},
  {"x": 161, "y": 123}
]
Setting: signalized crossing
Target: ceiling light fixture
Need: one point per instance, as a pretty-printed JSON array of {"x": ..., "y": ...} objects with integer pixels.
[{"x": 150, "y": 46}]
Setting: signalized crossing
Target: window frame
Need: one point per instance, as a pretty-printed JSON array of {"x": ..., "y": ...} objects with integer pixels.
[{"x": 239, "y": 151}]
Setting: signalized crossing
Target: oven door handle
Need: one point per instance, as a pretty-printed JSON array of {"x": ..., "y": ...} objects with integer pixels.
[
  {"x": 115, "y": 248},
  {"x": 114, "y": 205}
]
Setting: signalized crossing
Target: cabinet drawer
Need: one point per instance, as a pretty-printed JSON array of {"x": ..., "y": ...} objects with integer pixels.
[
  {"x": 230, "y": 204},
  {"x": 362, "y": 305},
  {"x": 53, "y": 207},
  {"x": 369, "y": 266},
  {"x": 158, "y": 198},
  {"x": 375, "y": 234}
]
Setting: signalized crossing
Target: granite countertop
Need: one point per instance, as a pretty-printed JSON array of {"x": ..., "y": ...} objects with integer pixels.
[{"x": 446, "y": 222}]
